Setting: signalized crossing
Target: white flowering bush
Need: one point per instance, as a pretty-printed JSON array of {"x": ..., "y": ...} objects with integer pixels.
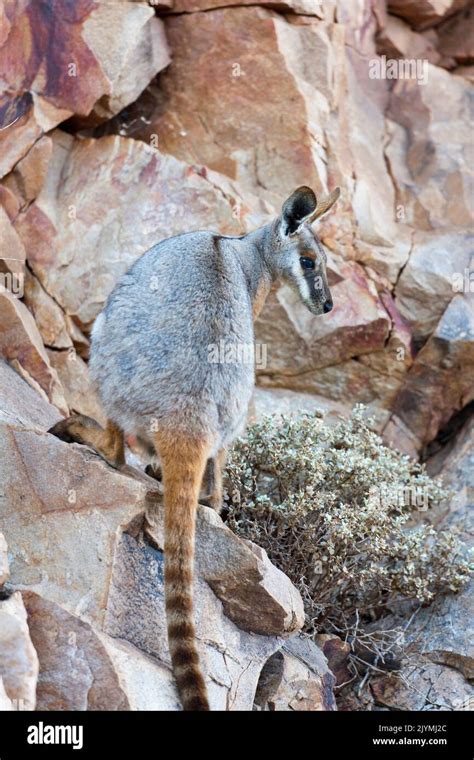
[{"x": 342, "y": 515}]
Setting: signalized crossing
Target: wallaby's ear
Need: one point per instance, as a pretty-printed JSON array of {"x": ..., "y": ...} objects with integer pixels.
[
  {"x": 325, "y": 204},
  {"x": 297, "y": 209}
]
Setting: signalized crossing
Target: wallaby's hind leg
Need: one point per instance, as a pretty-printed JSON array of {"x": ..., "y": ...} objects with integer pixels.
[
  {"x": 212, "y": 481},
  {"x": 81, "y": 429},
  {"x": 183, "y": 459}
]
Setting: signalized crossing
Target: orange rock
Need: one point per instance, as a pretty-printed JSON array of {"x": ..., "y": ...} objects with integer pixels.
[
  {"x": 456, "y": 37},
  {"x": 27, "y": 178},
  {"x": 428, "y": 153},
  {"x": 94, "y": 54},
  {"x": 21, "y": 342},
  {"x": 74, "y": 376},
  {"x": 425, "y": 13},
  {"x": 49, "y": 317},
  {"x": 12, "y": 256}
]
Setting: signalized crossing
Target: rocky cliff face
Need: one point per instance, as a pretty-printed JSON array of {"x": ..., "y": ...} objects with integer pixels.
[
  {"x": 85, "y": 627},
  {"x": 123, "y": 124}
]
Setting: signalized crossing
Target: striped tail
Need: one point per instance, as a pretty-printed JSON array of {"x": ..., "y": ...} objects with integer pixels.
[{"x": 183, "y": 463}]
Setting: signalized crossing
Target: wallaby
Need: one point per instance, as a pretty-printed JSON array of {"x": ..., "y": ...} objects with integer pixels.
[{"x": 150, "y": 363}]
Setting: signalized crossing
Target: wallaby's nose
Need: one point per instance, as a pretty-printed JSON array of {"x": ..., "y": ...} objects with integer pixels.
[{"x": 327, "y": 306}]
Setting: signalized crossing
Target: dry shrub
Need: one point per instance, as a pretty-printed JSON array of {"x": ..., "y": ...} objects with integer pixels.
[{"x": 335, "y": 510}]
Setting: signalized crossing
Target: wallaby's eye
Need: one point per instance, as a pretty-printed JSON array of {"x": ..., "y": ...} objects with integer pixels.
[{"x": 307, "y": 263}]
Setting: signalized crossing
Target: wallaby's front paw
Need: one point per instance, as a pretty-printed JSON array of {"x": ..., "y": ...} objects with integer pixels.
[
  {"x": 63, "y": 430},
  {"x": 107, "y": 443},
  {"x": 71, "y": 430}
]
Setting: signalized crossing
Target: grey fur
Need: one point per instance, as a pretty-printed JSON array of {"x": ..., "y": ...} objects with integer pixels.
[{"x": 150, "y": 345}]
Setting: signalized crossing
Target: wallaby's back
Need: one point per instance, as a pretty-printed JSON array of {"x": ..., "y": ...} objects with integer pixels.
[{"x": 150, "y": 345}]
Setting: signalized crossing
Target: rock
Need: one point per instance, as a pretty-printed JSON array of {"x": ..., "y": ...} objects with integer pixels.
[
  {"x": 114, "y": 50},
  {"x": 75, "y": 671},
  {"x": 232, "y": 657},
  {"x": 81, "y": 343},
  {"x": 61, "y": 530},
  {"x": 425, "y": 13},
  {"x": 255, "y": 595},
  {"x": 450, "y": 642},
  {"x": 298, "y": 342},
  {"x": 426, "y": 687},
  {"x": 74, "y": 376},
  {"x": 438, "y": 262},
  {"x": 440, "y": 666},
  {"x": 10, "y": 202},
  {"x": 23, "y": 120},
  {"x": 454, "y": 462},
  {"x": 60, "y": 83},
  {"x": 12, "y": 256},
  {"x": 446, "y": 639},
  {"x": 20, "y": 404},
  {"x": 251, "y": 152},
  {"x": 373, "y": 211},
  {"x": 397, "y": 40},
  {"x": 6, "y": 704},
  {"x": 398, "y": 435},
  {"x": 465, "y": 71},
  {"x": 360, "y": 351},
  {"x": 334, "y": 114},
  {"x": 147, "y": 683},
  {"x": 82, "y": 557},
  {"x": 128, "y": 41},
  {"x": 4, "y": 569},
  {"x": 81, "y": 668},
  {"x": 357, "y": 143},
  {"x": 49, "y": 317},
  {"x": 150, "y": 196},
  {"x": 21, "y": 342},
  {"x": 444, "y": 365},
  {"x": 336, "y": 652},
  {"x": 296, "y": 678},
  {"x": 66, "y": 553},
  {"x": 397, "y": 355},
  {"x": 351, "y": 379},
  {"x": 387, "y": 261},
  {"x": 307, "y": 7},
  {"x": 456, "y": 37},
  {"x": 27, "y": 177},
  {"x": 282, "y": 401},
  {"x": 429, "y": 149},
  {"x": 18, "y": 659}
]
